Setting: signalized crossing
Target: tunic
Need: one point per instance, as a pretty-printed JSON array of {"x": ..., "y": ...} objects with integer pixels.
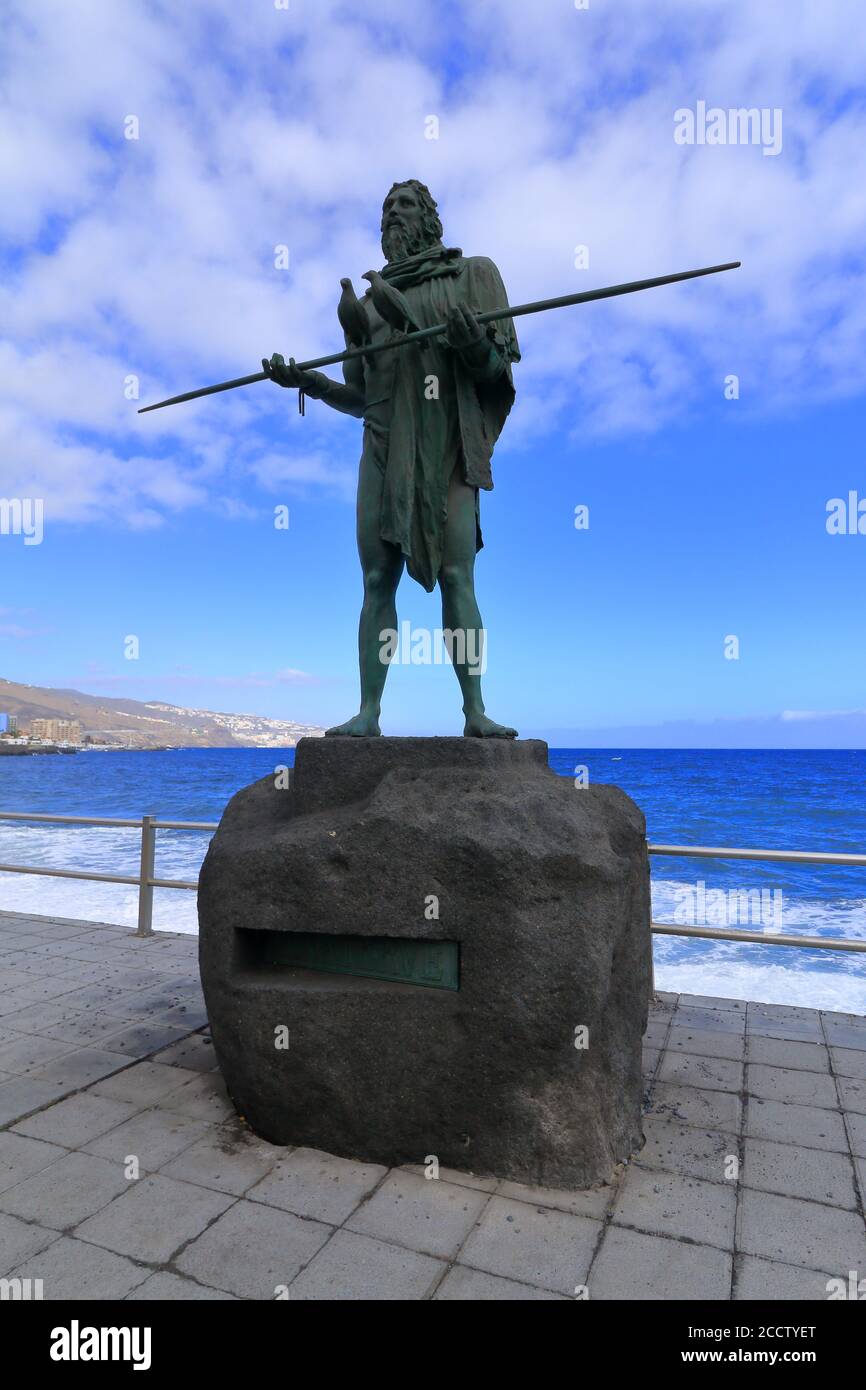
[{"x": 426, "y": 412}]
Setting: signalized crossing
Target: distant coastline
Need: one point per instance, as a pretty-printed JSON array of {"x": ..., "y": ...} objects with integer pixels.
[
  {"x": 111, "y": 723},
  {"x": 12, "y": 750}
]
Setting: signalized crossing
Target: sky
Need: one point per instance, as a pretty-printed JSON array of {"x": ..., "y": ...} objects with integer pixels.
[{"x": 184, "y": 186}]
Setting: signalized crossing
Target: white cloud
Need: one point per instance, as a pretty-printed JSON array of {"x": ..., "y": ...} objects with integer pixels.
[{"x": 260, "y": 127}]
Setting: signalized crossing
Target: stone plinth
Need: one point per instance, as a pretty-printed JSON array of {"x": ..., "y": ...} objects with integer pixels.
[{"x": 505, "y": 908}]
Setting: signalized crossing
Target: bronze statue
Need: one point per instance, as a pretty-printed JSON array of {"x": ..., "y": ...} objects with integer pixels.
[{"x": 432, "y": 414}]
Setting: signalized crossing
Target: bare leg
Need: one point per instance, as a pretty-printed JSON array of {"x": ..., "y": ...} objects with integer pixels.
[
  {"x": 382, "y": 566},
  {"x": 460, "y": 614}
]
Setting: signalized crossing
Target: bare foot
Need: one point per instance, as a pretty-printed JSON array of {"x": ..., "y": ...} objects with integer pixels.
[
  {"x": 361, "y": 726},
  {"x": 479, "y": 726}
]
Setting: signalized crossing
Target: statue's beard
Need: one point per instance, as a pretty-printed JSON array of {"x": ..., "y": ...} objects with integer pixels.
[{"x": 399, "y": 240}]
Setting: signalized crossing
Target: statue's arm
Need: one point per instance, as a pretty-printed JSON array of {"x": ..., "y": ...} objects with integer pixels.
[
  {"x": 476, "y": 348},
  {"x": 347, "y": 396},
  {"x": 483, "y": 360}
]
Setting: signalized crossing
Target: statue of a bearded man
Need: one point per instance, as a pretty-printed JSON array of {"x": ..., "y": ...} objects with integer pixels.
[{"x": 432, "y": 413}]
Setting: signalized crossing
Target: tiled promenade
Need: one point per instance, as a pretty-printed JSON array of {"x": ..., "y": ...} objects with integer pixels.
[{"x": 105, "y": 1061}]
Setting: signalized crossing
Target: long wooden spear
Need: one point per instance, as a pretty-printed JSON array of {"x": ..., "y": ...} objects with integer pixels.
[{"x": 512, "y": 311}]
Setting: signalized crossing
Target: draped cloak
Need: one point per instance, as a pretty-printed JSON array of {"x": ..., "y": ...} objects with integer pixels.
[{"x": 426, "y": 413}]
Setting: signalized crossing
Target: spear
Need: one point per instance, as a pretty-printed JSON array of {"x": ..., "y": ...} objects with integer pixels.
[{"x": 512, "y": 311}]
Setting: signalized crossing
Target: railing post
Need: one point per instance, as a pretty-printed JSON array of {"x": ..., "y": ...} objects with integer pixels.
[{"x": 145, "y": 887}]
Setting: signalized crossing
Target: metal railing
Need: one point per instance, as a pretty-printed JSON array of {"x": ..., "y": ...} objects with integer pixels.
[
  {"x": 144, "y": 879},
  {"x": 768, "y": 938},
  {"x": 146, "y": 882}
]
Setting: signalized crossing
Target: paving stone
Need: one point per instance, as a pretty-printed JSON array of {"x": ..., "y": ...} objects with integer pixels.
[
  {"x": 767, "y": 1280},
  {"x": 649, "y": 1060},
  {"x": 166, "y": 1287},
  {"x": 666, "y": 1204},
  {"x": 154, "y": 1218},
  {"x": 849, "y": 1061},
  {"x": 707, "y": 1073},
  {"x": 794, "y": 1087},
  {"x": 808, "y": 1125},
  {"x": 462, "y": 1284},
  {"x": 592, "y": 1201},
  {"x": 205, "y": 1098},
  {"x": 81, "y": 1067},
  {"x": 186, "y": 1016},
  {"x": 687, "y": 1150},
  {"x": 66, "y": 1192},
  {"x": 311, "y": 1183},
  {"x": 144, "y": 1085},
  {"x": 427, "y": 1215},
  {"x": 846, "y": 1030},
  {"x": 73, "y": 1026},
  {"x": 195, "y": 1052},
  {"x": 797, "y": 1056},
  {"x": 21, "y": 1095},
  {"x": 852, "y": 1094},
  {"x": 27, "y": 1052},
  {"x": 707, "y": 1001},
  {"x": 857, "y": 1131},
  {"x": 141, "y": 1039},
  {"x": 481, "y": 1184},
  {"x": 814, "y": 1174},
  {"x": 97, "y": 997},
  {"x": 800, "y": 1233},
  {"x": 253, "y": 1250},
  {"x": 79, "y": 971},
  {"x": 711, "y": 1020},
  {"x": 19, "y": 1240},
  {"x": 703, "y": 1043},
  {"x": 801, "y": 1026},
  {"x": 148, "y": 1003},
  {"x": 656, "y": 1032},
  {"x": 633, "y": 1265},
  {"x": 43, "y": 987},
  {"x": 154, "y": 1137},
  {"x": 358, "y": 1268},
  {"x": 227, "y": 1157},
  {"x": 21, "y": 1157},
  {"x": 533, "y": 1245},
  {"x": 692, "y": 1106},
  {"x": 74, "y": 1121},
  {"x": 783, "y": 1013},
  {"x": 71, "y": 1269}
]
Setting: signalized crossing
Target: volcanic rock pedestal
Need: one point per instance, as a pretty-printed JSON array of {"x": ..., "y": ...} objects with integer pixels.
[{"x": 432, "y": 946}]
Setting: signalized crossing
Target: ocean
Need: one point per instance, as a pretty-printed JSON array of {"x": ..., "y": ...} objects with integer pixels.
[{"x": 763, "y": 799}]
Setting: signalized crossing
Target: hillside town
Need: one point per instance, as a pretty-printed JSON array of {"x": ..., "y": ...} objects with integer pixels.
[{"x": 43, "y": 720}]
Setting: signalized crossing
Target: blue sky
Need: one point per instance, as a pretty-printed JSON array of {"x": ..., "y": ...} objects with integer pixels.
[{"x": 260, "y": 128}]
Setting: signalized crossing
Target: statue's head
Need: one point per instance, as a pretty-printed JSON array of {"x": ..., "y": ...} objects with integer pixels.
[{"x": 410, "y": 222}]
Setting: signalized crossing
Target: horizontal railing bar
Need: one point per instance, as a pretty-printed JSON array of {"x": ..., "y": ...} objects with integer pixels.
[
  {"x": 820, "y": 943},
  {"x": 186, "y": 825},
  {"x": 94, "y": 878},
  {"x": 787, "y": 856},
  {"x": 70, "y": 820},
  {"x": 109, "y": 820},
  {"x": 66, "y": 873}
]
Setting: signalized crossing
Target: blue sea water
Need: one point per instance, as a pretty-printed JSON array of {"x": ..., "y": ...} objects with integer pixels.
[{"x": 770, "y": 799}]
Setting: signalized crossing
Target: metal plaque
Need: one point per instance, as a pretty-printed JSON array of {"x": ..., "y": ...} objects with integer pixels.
[{"x": 435, "y": 964}]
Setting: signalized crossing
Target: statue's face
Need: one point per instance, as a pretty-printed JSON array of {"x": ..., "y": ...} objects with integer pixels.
[{"x": 402, "y": 223}]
